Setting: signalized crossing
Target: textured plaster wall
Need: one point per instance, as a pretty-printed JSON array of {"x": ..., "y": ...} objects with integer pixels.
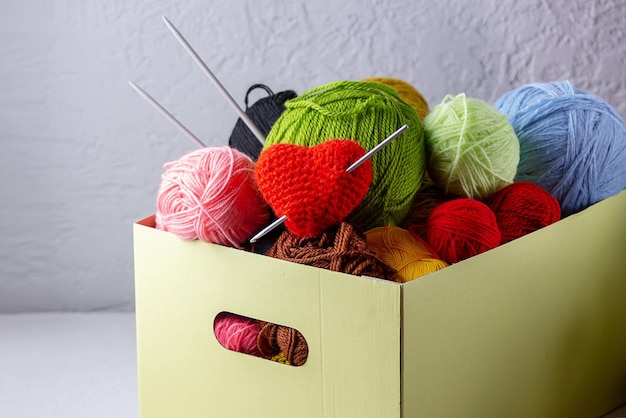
[{"x": 81, "y": 154}]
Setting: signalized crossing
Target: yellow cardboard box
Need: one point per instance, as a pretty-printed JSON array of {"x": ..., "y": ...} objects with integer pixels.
[{"x": 534, "y": 328}]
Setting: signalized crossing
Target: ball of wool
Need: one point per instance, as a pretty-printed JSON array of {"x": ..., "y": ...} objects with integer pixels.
[
  {"x": 522, "y": 208},
  {"x": 211, "y": 194},
  {"x": 472, "y": 148},
  {"x": 409, "y": 255},
  {"x": 274, "y": 339},
  {"x": 462, "y": 228},
  {"x": 366, "y": 113},
  {"x": 263, "y": 113},
  {"x": 573, "y": 143},
  {"x": 409, "y": 93},
  {"x": 340, "y": 248},
  {"x": 237, "y": 333}
]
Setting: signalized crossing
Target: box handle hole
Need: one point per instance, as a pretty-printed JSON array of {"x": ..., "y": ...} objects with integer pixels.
[{"x": 259, "y": 338}]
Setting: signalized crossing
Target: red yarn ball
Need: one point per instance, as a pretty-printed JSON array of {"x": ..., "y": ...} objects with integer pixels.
[
  {"x": 237, "y": 333},
  {"x": 462, "y": 228},
  {"x": 522, "y": 208}
]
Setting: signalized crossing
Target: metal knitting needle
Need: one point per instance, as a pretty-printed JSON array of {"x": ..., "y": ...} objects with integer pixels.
[
  {"x": 263, "y": 232},
  {"x": 350, "y": 169},
  {"x": 165, "y": 113},
  {"x": 259, "y": 135},
  {"x": 377, "y": 148}
]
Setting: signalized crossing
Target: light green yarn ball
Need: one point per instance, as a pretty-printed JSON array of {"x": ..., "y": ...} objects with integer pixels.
[
  {"x": 472, "y": 148},
  {"x": 367, "y": 113}
]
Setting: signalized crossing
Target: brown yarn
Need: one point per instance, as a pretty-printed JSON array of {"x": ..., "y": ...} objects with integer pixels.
[
  {"x": 274, "y": 339},
  {"x": 341, "y": 248}
]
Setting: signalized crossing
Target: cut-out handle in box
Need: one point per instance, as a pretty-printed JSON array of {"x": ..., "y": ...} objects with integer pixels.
[{"x": 259, "y": 338}]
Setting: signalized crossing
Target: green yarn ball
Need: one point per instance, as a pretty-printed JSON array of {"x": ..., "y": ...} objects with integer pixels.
[
  {"x": 367, "y": 113},
  {"x": 472, "y": 148}
]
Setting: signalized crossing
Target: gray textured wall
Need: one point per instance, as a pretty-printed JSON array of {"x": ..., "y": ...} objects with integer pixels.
[{"x": 81, "y": 154}]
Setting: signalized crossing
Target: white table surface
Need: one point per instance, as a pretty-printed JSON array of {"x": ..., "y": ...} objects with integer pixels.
[
  {"x": 68, "y": 366},
  {"x": 74, "y": 365}
]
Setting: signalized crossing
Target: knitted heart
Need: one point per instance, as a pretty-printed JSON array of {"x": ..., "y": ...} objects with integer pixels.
[{"x": 310, "y": 184}]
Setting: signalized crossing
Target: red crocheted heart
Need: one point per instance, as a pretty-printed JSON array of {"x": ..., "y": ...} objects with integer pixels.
[{"x": 310, "y": 184}]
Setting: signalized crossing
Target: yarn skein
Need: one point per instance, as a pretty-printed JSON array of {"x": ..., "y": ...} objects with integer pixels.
[
  {"x": 462, "y": 228},
  {"x": 274, "y": 339},
  {"x": 522, "y": 208},
  {"x": 211, "y": 195},
  {"x": 340, "y": 248},
  {"x": 408, "y": 93},
  {"x": 263, "y": 113},
  {"x": 366, "y": 113},
  {"x": 237, "y": 333},
  {"x": 572, "y": 143},
  {"x": 409, "y": 255},
  {"x": 472, "y": 148}
]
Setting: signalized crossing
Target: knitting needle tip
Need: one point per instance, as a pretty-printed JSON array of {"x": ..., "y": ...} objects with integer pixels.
[
  {"x": 166, "y": 114},
  {"x": 268, "y": 229}
]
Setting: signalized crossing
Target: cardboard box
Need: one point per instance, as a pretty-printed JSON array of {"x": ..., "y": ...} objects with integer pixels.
[{"x": 534, "y": 328}]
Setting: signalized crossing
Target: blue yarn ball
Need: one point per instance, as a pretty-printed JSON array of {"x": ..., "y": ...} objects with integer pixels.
[{"x": 572, "y": 143}]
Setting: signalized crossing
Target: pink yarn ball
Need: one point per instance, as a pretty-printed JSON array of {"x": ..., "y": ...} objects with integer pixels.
[
  {"x": 237, "y": 333},
  {"x": 211, "y": 194}
]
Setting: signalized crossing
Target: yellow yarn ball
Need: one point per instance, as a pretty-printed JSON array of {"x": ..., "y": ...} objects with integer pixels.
[
  {"x": 407, "y": 92},
  {"x": 408, "y": 255}
]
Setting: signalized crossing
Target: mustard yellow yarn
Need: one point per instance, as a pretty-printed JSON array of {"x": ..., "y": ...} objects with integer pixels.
[
  {"x": 401, "y": 250},
  {"x": 281, "y": 358},
  {"x": 407, "y": 92}
]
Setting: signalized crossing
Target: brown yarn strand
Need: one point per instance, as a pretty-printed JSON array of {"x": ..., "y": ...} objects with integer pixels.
[
  {"x": 342, "y": 248},
  {"x": 274, "y": 339}
]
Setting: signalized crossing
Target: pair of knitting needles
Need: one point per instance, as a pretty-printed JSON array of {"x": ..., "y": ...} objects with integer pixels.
[{"x": 257, "y": 133}]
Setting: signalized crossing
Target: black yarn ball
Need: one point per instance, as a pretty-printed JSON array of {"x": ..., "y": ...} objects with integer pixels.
[{"x": 263, "y": 114}]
